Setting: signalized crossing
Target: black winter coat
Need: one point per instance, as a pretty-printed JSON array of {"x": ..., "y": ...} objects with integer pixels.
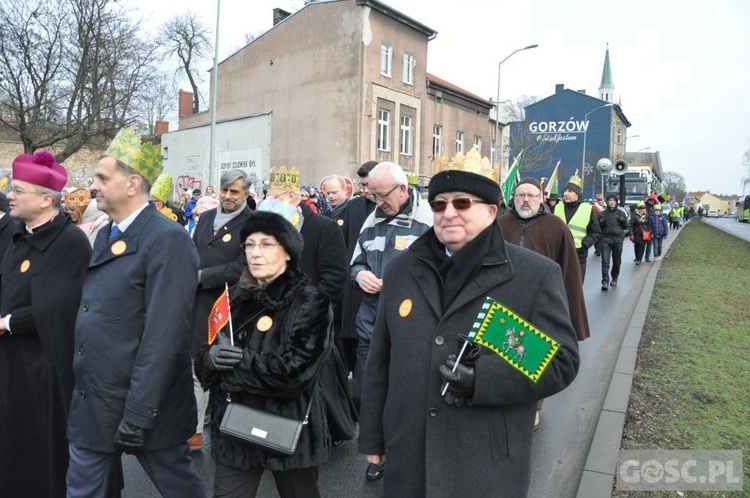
[
  {"x": 278, "y": 372},
  {"x": 221, "y": 260},
  {"x": 614, "y": 225},
  {"x": 42, "y": 277},
  {"x": 483, "y": 447}
]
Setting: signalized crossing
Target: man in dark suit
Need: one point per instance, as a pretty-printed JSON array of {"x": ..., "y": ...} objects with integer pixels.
[
  {"x": 357, "y": 211},
  {"x": 132, "y": 369},
  {"x": 42, "y": 276},
  {"x": 8, "y": 225},
  {"x": 217, "y": 239}
]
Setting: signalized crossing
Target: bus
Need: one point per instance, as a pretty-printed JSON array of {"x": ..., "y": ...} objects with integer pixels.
[{"x": 743, "y": 209}]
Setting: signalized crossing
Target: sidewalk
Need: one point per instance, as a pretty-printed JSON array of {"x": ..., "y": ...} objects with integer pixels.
[{"x": 599, "y": 469}]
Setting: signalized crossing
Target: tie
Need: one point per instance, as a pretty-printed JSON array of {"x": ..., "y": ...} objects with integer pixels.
[{"x": 114, "y": 232}]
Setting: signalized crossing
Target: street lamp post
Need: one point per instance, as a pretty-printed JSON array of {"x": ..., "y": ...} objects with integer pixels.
[
  {"x": 214, "y": 82},
  {"x": 497, "y": 103},
  {"x": 585, "y": 130}
]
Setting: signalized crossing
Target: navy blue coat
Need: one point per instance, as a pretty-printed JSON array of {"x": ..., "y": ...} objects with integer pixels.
[{"x": 132, "y": 337}]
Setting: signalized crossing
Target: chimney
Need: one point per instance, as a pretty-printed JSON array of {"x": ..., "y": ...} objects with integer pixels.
[
  {"x": 279, "y": 15},
  {"x": 161, "y": 127},
  {"x": 186, "y": 103},
  {"x": 582, "y": 91},
  {"x": 559, "y": 88}
]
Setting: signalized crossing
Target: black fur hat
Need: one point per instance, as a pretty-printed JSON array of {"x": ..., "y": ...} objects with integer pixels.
[{"x": 278, "y": 227}]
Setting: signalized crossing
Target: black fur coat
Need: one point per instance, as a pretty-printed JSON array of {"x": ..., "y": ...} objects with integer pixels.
[{"x": 286, "y": 331}]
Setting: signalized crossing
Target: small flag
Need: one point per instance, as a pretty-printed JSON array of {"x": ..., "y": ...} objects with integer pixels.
[
  {"x": 509, "y": 184},
  {"x": 526, "y": 348},
  {"x": 552, "y": 187},
  {"x": 219, "y": 315}
]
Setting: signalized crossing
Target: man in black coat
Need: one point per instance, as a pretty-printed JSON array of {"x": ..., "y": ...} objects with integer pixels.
[
  {"x": 217, "y": 239},
  {"x": 134, "y": 390},
  {"x": 8, "y": 225},
  {"x": 42, "y": 276}
]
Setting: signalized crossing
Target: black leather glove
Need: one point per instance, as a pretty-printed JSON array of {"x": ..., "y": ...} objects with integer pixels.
[
  {"x": 222, "y": 357},
  {"x": 129, "y": 438},
  {"x": 460, "y": 382}
]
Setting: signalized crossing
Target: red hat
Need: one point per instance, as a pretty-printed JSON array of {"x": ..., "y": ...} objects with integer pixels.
[{"x": 41, "y": 170}]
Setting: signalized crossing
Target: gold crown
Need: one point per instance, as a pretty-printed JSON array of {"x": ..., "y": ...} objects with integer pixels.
[
  {"x": 281, "y": 179},
  {"x": 412, "y": 178},
  {"x": 473, "y": 162},
  {"x": 78, "y": 198},
  {"x": 144, "y": 158},
  {"x": 162, "y": 187},
  {"x": 576, "y": 180}
]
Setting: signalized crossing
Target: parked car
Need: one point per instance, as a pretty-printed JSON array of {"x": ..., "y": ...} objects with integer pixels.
[
  {"x": 712, "y": 214},
  {"x": 730, "y": 215}
]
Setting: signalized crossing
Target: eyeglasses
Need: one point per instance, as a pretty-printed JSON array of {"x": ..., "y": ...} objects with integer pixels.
[
  {"x": 459, "y": 204},
  {"x": 18, "y": 191},
  {"x": 263, "y": 246},
  {"x": 527, "y": 196},
  {"x": 383, "y": 197}
]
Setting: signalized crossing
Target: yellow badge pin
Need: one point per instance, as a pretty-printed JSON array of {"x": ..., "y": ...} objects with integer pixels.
[
  {"x": 405, "y": 309},
  {"x": 25, "y": 265},
  {"x": 118, "y": 247},
  {"x": 227, "y": 237},
  {"x": 264, "y": 323}
]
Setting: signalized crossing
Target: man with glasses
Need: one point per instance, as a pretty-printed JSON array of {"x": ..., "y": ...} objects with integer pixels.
[
  {"x": 529, "y": 223},
  {"x": 400, "y": 218},
  {"x": 475, "y": 440},
  {"x": 217, "y": 239},
  {"x": 42, "y": 276}
]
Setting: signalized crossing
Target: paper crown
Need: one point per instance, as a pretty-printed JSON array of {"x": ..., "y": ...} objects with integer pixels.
[
  {"x": 576, "y": 180},
  {"x": 473, "y": 162},
  {"x": 162, "y": 187},
  {"x": 144, "y": 158},
  {"x": 281, "y": 179},
  {"x": 412, "y": 178},
  {"x": 78, "y": 198}
]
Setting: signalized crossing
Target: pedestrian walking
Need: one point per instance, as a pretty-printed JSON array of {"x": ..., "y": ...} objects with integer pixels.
[
  {"x": 659, "y": 228},
  {"x": 134, "y": 391},
  {"x": 639, "y": 231},
  {"x": 476, "y": 440},
  {"x": 615, "y": 225},
  {"x": 580, "y": 218},
  {"x": 42, "y": 276}
]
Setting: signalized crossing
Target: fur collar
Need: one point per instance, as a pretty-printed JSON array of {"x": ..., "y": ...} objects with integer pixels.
[{"x": 278, "y": 294}]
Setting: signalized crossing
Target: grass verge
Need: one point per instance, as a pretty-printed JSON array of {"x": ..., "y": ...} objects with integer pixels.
[{"x": 692, "y": 380}]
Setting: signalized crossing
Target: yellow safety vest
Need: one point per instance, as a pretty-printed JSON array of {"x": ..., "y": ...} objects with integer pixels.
[{"x": 578, "y": 222}]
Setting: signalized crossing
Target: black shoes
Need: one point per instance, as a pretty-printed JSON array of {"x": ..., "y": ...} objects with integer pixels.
[
  {"x": 605, "y": 285},
  {"x": 374, "y": 472},
  {"x": 613, "y": 283}
]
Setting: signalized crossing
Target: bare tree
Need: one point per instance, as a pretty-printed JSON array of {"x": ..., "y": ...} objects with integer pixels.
[
  {"x": 156, "y": 101},
  {"x": 69, "y": 71},
  {"x": 187, "y": 37},
  {"x": 674, "y": 185}
]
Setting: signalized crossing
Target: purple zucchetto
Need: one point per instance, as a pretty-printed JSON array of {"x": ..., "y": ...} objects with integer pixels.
[{"x": 40, "y": 169}]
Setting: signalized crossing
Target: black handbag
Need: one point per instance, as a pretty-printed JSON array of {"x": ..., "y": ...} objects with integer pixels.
[{"x": 261, "y": 428}]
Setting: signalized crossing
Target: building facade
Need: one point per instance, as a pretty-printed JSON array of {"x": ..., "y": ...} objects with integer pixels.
[{"x": 345, "y": 82}]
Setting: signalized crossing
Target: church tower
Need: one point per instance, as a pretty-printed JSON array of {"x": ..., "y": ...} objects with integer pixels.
[{"x": 607, "y": 88}]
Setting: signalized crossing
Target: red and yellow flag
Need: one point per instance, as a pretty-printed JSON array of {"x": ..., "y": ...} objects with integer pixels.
[{"x": 219, "y": 315}]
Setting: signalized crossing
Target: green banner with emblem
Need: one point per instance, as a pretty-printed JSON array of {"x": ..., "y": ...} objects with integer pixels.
[{"x": 525, "y": 347}]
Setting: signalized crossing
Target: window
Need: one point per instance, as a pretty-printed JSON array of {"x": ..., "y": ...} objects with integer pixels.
[
  {"x": 459, "y": 141},
  {"x": 437, "y": 141},
  {"x": 478, "y": 143},
  {"x": 405, "y": 135},
  {"x": 408, "y": 69},
  {"x": 385, "y": 60},
  {"x": 384, "y": 130}
]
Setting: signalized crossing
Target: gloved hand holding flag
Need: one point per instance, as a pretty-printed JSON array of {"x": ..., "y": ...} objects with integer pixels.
[{"x": 220, "y": 315}]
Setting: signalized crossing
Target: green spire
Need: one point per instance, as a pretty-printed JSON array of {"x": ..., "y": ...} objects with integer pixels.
[{"x": 606, "y": 83}]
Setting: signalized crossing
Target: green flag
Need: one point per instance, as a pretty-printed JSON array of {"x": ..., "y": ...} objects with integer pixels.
[
  {"x": 552, "y": 187},
  {"x": 509, "y": 183},
  {"x": 526, "y": 348}
]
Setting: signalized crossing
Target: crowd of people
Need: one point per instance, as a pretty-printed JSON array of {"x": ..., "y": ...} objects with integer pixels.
[{"x": 351, "y": 305}]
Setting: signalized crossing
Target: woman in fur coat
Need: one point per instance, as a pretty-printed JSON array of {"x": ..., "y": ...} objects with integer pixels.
[{"x": 282, "y": 335}]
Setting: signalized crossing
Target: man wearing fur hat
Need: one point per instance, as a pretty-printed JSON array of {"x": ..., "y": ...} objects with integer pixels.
[
  {"x": 580, "y": 218},
  {"x": 42, "y": 276},
  {"x": 134, "y": 389},
  {"x": 476, "y": 439}
]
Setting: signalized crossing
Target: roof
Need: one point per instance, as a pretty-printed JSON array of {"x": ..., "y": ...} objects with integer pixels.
[
  {"x": 434, "y": 81},
  {"x": 398, "y": 16}
]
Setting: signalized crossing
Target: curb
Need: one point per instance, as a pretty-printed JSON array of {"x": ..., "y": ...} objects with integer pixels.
[{"x": 599, "y": 470}]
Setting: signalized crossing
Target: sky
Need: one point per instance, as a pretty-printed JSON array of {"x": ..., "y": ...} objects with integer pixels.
[{"x": 681, "y": 71}]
